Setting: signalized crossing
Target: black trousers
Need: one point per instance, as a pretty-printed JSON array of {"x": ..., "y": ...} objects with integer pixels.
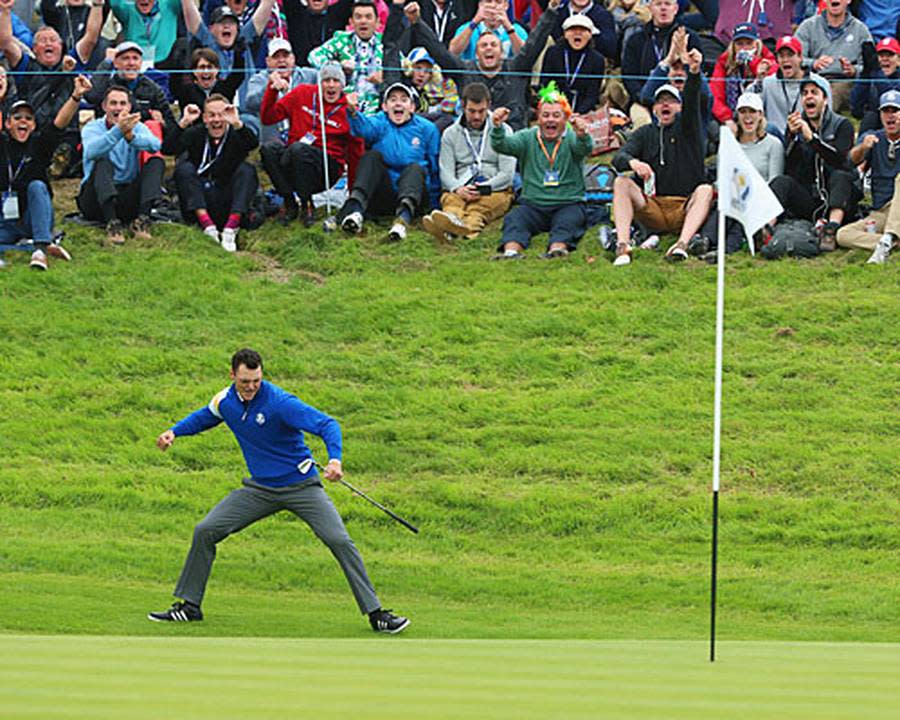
[
  {"x": 100, "y": 198},
  {"x": 220, "y": 200},
  {"x": 799, "y": 201},
  {"x": 373, "y": 190},
  {"x": 298, "y": 168}
]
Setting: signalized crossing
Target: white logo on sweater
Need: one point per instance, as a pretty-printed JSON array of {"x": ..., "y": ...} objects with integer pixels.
[{"x": 260, "y": 419}]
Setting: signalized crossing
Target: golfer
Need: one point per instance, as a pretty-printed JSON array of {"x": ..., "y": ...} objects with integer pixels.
[{"x": 269, "y": 423}]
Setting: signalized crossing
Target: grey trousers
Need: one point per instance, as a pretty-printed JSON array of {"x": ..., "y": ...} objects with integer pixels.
[{"x": 250, "y": 503}]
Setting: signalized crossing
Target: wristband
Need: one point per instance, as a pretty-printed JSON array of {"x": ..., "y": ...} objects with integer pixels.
[{"x": 473, "y": 25}]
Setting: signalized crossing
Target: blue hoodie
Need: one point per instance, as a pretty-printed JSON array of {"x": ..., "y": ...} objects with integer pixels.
[
  {"x": 269, "y": 430},
  {"x": 416, "y": 141}
]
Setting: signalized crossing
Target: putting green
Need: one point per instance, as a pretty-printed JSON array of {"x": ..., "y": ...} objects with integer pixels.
[{"x": 402, "y": 677}]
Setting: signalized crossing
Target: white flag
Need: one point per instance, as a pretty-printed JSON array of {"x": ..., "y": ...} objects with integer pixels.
[{"x": 743, "y": 194}]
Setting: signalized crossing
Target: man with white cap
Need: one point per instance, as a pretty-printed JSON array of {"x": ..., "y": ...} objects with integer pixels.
[
  {"x": 606, "y": 40},
  {"x": 880, "y": 151},
  {"x": 297, "y": 169},
  {"x": 574, "y": 64},
  {"x": 668, "y": 192},
  {"x": 820, "y": 182},
  {"x": 399, "y": 174}
]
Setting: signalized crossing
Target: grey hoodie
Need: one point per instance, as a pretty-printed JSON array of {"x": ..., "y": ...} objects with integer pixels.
[
  {"x": 813, "y": 33},
  {"x": 458, "y": 159},
  {"x": 782, "y": 97}
]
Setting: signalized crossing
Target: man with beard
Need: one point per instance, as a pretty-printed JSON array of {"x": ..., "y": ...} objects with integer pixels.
[
  {"x": 880, "y": 151},
  {"x": 117, "y": 187},
  {"x": 360, "y": 52},
  {"x": 491, "y": 16},
  {"x": 204, "y": 79},
  {"x": 551, "y": 160},
  {"x": 507, "y": 80},
  {"x": 821, "y": 182},
  {"x": 226, "y": 36},
  {"x": 299, "y": 169},
  {"x": 400, "y": 171},
  {"x": 71, "y": 19},
  {"x": 27, "y": 206},
  {"x": 666, "y": 158},
  {"x": 575, "y": 65},
  {"x": 215, "y": 182},
  {"x": 314, "y": 23},
  {"x": 152, "y": 24},
  {"x": 43, "y": 85},
  {"x": 781, "y": 91}
]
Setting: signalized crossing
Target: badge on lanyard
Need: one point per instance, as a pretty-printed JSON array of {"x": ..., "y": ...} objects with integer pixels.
[
  {"x": 10, "y": 206},
  {"x": 308, "y": 139},
  {"x": 551, "y": 178}
]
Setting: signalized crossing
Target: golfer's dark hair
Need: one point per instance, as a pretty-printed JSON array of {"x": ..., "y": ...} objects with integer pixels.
[
  {"x": 250, "y": 359},
  {"x": 476, "y": 92}
]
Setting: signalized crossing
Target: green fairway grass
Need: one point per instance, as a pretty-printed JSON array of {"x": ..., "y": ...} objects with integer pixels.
[{"x": 399, "y": 678}]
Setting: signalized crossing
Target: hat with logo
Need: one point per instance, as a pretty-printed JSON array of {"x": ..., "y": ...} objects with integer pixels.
[
  {"x": 419, "y": 54},
  {"x": 790, "y": 42},
  {"x": 889, "y": 99},
  {"x": 888, "y": 44},
  {"x": 413, "y": 95},
  {"x": 276, "y": 45},
  {"x": 745, "y": 30},
  {"x": 220, "y": 14},
  {"x": 128, "y": 46},
  {"x": 750, "y": 100},
  {"x": 580, "y": 20}
]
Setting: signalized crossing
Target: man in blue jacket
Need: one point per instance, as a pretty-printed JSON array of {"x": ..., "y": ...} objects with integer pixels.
[
  {"x": 269, "y": 423},
  {"x": 400, "y": 172}
]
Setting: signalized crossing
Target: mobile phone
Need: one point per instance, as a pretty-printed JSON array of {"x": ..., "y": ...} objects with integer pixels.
[{"x": 484, "y": 189}]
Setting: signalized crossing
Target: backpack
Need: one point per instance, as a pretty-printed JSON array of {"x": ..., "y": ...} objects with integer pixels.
[
  {"x": 598, "y": 183},
  {"x": 794, "y": 238}
]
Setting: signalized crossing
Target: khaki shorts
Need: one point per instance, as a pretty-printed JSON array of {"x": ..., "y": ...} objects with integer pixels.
[{"x": 663, "y": 213}]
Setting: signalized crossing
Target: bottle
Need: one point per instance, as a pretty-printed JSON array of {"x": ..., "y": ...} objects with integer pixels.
[
  {"x": 650, "y": 185},
  {"x": 607, "y": 239},
  {"x": 871, "y": 225}
]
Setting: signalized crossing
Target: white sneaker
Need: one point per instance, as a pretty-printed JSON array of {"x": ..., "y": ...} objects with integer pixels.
[
  {"x": 882, "y": 250},
  {"x": 38, "y": 260},
  {"x": 621, "y": 260},
  {"x": 229, "y": 239},
  {"x": 2, "y": 263},
  {"x": 397, "y": 231},
  {"x": 212, "y": 232},
  {"x": 352, "y": 223}
]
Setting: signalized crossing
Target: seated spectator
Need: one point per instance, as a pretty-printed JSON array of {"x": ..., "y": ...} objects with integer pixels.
[
  {"x": 606, "y": 42},
  {"x": 551, "y": 160},
  {"x": 215, "y": 182},
  {"x": 445, "y": 17},
  {"x": 507, "y": 80},
  {"x": 313, "y": 23},
  {"x": 630, "y": 17},
  {"x": 42, "y": 84},
  {"x": 125, "y": 71},
  {"x": 476, "y": 179},
  {"x": 360, "y": 52},
  {"x": 667, "y": 158},
  {"x": 745, "y": 60},
  {"x": 280, "y": 61},
  {"x": 438, "y": 97},
  {"x": 820, "y": 182},
  {"x": 491, "y": 15},
  {"x": 117, "y": 188},
  {"x": 645, "y": 49},
  {"x": 832, "y": 47},
  {"x": 204, "y": 79},
  {"x": 400, "y": 171},
  {"x": 881, "y": 72},
  {"x": 575, "y": 66},
  {"x": 226, "y": 35},
  {"x": 70, "y": 20},
  {"x": 27, "y": 206},
  {"x": 152, "y": 24},
  {"x": 781, "y": 91},
  {"x": 880, "y": 151},
  {"x": 297, "y": 166}
]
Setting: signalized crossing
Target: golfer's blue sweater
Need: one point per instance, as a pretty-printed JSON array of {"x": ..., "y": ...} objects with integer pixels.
[{"x": 269, "y": 430}]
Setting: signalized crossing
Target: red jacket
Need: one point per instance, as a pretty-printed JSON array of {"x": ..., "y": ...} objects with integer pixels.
[
  {"x": 721, "y": 111},
  {"x": 299, "y": 107}
]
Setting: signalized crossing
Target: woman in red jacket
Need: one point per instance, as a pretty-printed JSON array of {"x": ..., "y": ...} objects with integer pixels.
[{"x": 745, "y": 60}]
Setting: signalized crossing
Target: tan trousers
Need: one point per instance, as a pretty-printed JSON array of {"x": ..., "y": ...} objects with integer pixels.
[
  {"x": 887, "y": 219},
  {"x": 477, "y": 214}
]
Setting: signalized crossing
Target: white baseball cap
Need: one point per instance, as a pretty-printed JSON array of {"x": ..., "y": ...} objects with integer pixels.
[
  {"x": 278, "y": 44},
  {"x": 750, "y": 100},
  {"x": 582, "y": 21}
]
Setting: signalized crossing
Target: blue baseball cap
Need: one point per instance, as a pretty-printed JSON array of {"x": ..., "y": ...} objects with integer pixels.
[
  {"x": 745, "y": 30},
  {"x": 889, "y": 99},
  {"x": 419, "y": 54}
]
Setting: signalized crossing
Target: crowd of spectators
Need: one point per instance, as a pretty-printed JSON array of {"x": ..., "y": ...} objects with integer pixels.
[{"x": 455, "y": 113}]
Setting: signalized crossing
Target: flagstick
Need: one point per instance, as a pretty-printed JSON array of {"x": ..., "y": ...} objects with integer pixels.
[
  {"x": 717, "y": 429},
  {"x": 324, "y": 149}
]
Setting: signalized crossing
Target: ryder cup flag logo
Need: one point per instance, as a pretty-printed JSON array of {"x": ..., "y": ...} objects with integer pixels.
[
  {"x": 743, "y": 194},
  {"x": 260, "y": 419}
]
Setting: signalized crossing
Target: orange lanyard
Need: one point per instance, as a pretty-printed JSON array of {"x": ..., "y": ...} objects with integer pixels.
[{"x": 550, "y": 159}]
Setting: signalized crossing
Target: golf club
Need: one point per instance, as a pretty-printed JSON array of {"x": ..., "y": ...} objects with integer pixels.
[{"x": 304, "y": 468}]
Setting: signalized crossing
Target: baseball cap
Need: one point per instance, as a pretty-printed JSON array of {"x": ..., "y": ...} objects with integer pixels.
[
  {"x": 745, "y": 30},
  {"x": 790, "y": 42},
  {"x": 818, "y": 81},
  {"x": 670, "y": 89},
  {"x": 888, "y": 44},
  {"x": 20, "y": 104},
  {"x": 889, "y": 99},
  {"x": 223, "y": 13},
  {"x": 127, "y": 46},
  {"x": 419, "y": 54},
  {"x": 582, "y": 21},
  {"x": 750, "y": 100},
  {"x": 279, "y": 44},
  {"x": 413, "y": 95}
]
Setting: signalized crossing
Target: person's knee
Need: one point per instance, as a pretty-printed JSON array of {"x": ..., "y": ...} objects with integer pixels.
[
  {"x": 622, "y": 188},
  {"x": 336, "y": 539},
  {"x": 209, "y": 533},
  {"x": 37, "y": 189},
  {"x": 245, "y": 171},
  {"x": 272, "y": 151},
  {"x": 185, "y": 169}
]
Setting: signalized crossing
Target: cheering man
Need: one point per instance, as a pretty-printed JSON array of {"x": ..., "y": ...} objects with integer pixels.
[{"x": 269, "y": 423}]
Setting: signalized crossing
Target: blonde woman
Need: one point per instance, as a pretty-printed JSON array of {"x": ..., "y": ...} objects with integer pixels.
[
  {"x": 745, "y": 60},
  {"x": 765, "y": 151}
]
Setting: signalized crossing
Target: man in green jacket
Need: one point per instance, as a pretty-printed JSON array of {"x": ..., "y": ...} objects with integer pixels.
[{"x": 551, "y": 160}]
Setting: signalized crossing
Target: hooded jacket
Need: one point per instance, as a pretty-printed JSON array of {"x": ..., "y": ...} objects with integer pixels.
[
  {"x": 781, "y": 97},
  {"x": 811, "y": 163}
]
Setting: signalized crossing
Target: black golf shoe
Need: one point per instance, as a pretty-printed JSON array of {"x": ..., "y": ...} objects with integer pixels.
[
  {"x": 385, "y": 621},
  {"x": 179, "y": 612}
]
